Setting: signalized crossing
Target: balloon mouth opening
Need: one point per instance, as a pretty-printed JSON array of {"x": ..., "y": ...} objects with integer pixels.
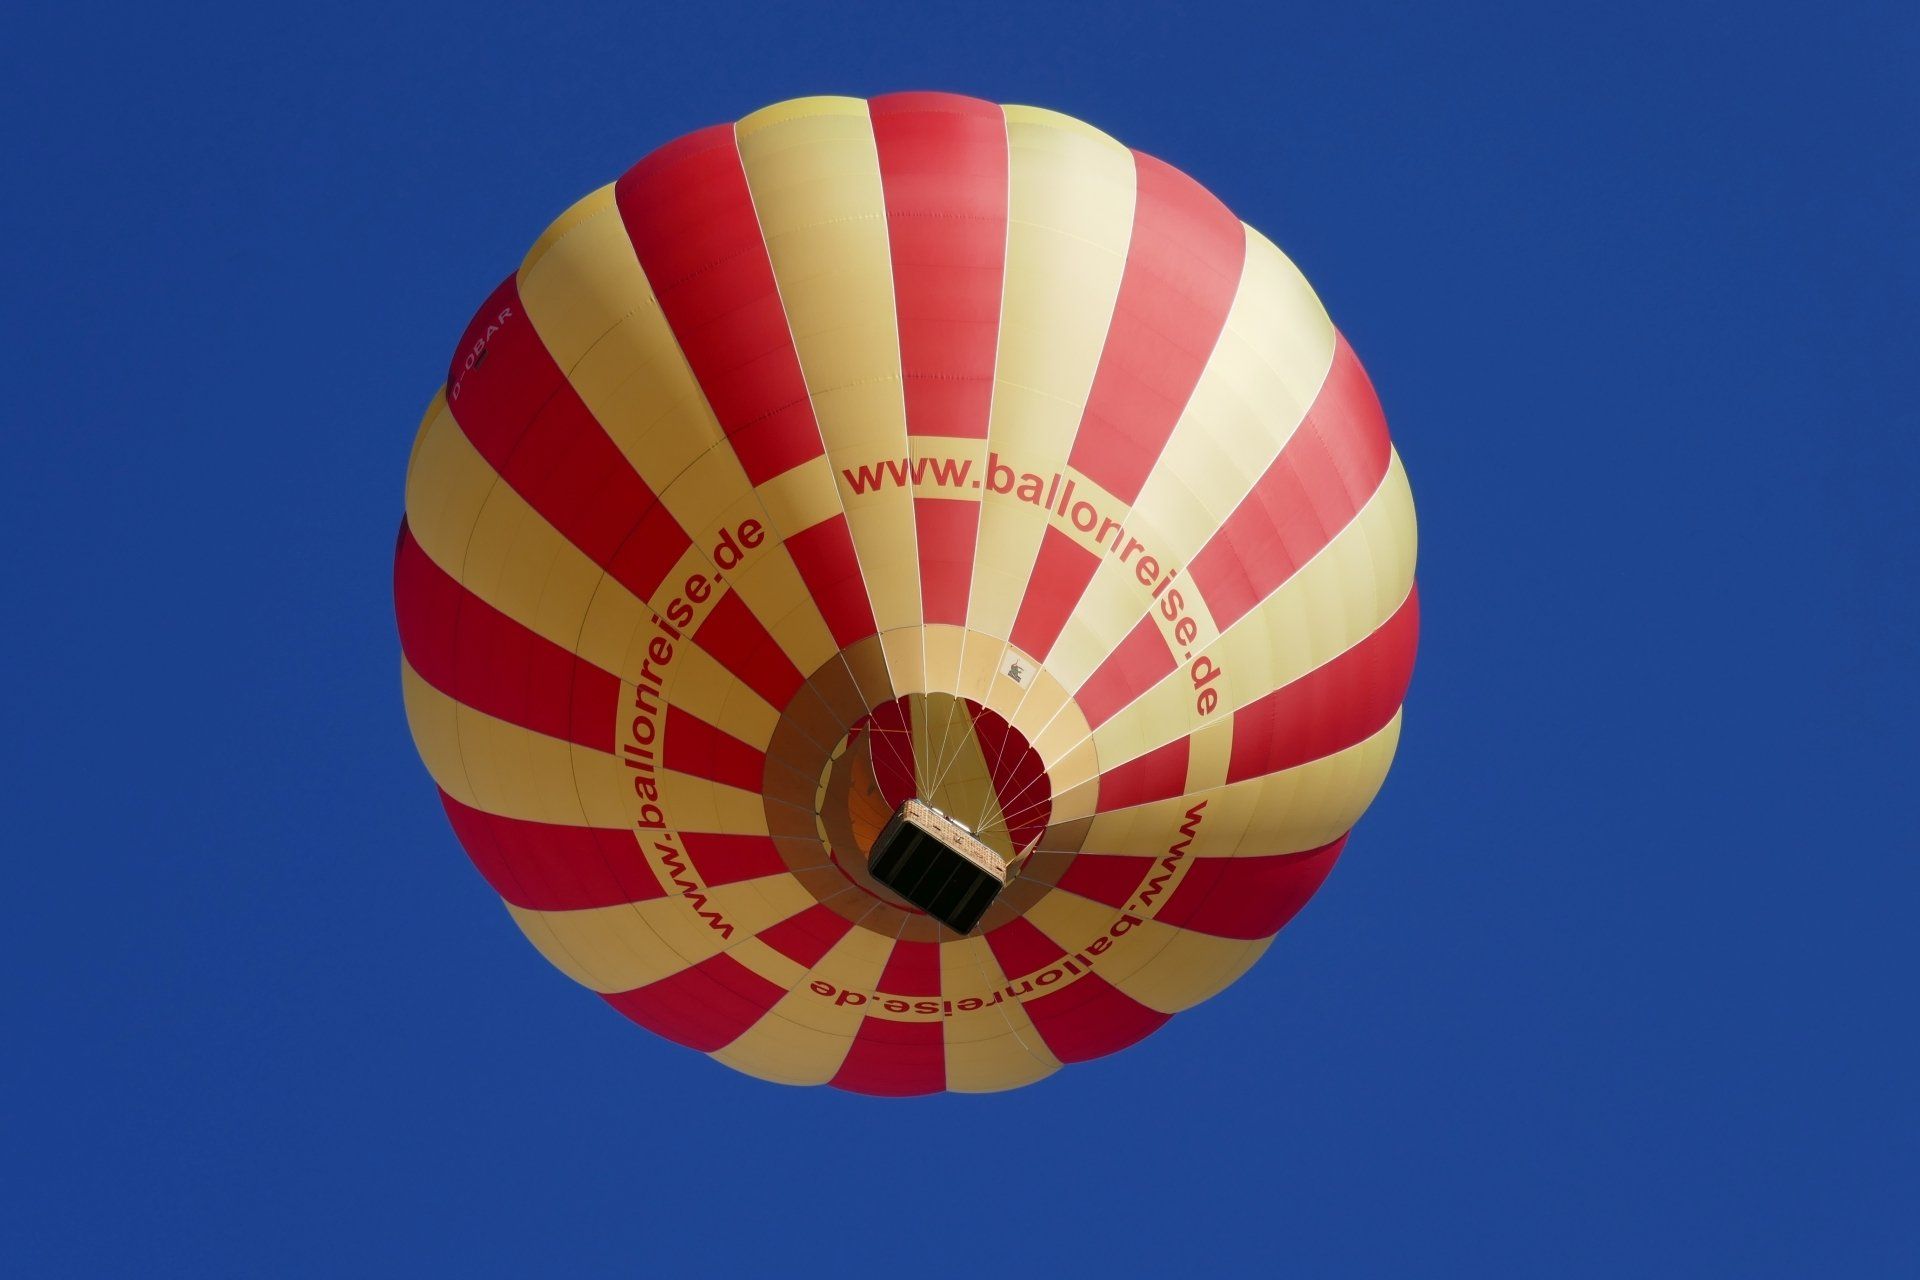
[{"x": 929, "y": 804}]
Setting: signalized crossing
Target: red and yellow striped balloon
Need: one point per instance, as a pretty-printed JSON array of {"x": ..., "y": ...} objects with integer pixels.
[{"x": 912, "y": 447}]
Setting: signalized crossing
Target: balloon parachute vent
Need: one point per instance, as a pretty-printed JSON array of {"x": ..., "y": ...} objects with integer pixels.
[{"x": 937, "y": 865}]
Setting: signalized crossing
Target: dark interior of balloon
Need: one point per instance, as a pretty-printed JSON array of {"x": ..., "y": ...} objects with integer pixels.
[{"x": 937, "y": 865}]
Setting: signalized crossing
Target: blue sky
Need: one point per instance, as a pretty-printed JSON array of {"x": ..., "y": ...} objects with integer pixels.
[{"x": 1617, "y": 974}]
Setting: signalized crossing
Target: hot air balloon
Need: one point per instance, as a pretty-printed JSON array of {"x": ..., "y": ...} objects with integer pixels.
[{"x": 904, "y": 594}]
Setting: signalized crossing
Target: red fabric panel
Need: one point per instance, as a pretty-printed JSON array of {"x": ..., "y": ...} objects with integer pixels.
[
  {"x": 477, "y": 655},
  {"x": 913, "y": 969},
  {"x": 545, "y": 867},
  {"x": 1312, "y": 490},
  {"x": 1020, "y": 948},
  {"x": 1333, "y": 706},
  {"x": 1183, "y": 269},
  {"x": 728, "y": 859},
  {"x": 690, "y": 216},
  {"x": 697, "y": 748},
  {"x": 895, "y": 1059},
  {"x": 1248, "y": 898},
  {"x": 1160, "y": 773},
  {"x": 808, "y": 935},
  {"x": 705, "y": 1007},
  {"x": 517, "y": 407},
  {"x": 948, "y": 530},
  {"x": 1060, "y": 575},
  {"x": 1110, "y": 878},
  {"x": 825, "y": 557},
  {"x": 943, "y": 169},
  {"x": 1136, "y": 664},
  {"x": 739, "y": 642},
  {"x": 1090, "y": 1018}
]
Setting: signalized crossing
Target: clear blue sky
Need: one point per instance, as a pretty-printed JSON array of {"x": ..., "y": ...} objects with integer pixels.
[{"x": 1616, "y": 978}]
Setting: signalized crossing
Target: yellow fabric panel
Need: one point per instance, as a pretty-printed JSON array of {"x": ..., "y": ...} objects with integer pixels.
[
  {"x": 1272, "y": 357},
  {"x": 591, "y": 304},
  {"x": 969, "y": 971},
  {"x": 996, "y": 1047},
  {"x": 497, "y": 767},
  {"x": 1335, "y": 601},
  {"x": 598, "y": 951},
  {"x": 1286, "y": 812},
  {"x": 1073, "y": 922},
  {"x": 814, "y": 172},
  {"x": 436, "y": 405},
  {"x": 521, "y": 565},
  {"x": 711, "y": 496},
  {"x": 622, "y": 947},
  {"x": 485, "y": 535},
  {"x": 854, "y": 964},
  {"x": 1114, "y": 602},
  {"x": 786, "y": 1051},
  {"x": 805, "y": 1037},
  {"x": 939, "y": 662},
  {"x": 982, "y": 659},
  {"x": 1005, "y": 548},
  {"x": 772, "y": 587},
  {"x": 697, "y": 684},
  {"x": 1071, "y": 771},
  {"x": 610, "y": 621},
  {"x": 1007, "y": 1061},
  {"x": 792, "y": 110},
  {"x": 713, "y": 502},
  {"x": 1115, "y": 597},
  {"x": 693, "y": 803},
  {"x": 1070, "y": 205},
  {"x": 865, "y": 664},
  {"x": 491, "y": 765},
  {"x": 1024, "y": 118},
  {"x": 581, "y": 278},
  {"x": 905, "y": 655},
  {"x": 1209, "y": 754},
  {"x": 1163, "y": 967},
  {"x": 1190, "y": 967},
  {"x": 762, "y": 960},
  {"x": 1270, "y": 363},
  {"x": 801, "y": 497},
  {"x": 584, "y": 212},
  {"x": 587, "y": 297},
  {"x": 1006, "y": 694}
]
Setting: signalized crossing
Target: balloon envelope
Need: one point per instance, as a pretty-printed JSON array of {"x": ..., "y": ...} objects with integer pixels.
[{"x": 918, "y": 448}]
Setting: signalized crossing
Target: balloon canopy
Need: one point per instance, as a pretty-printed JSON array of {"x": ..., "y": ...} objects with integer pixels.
[{"x": 918, "y": 449}]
